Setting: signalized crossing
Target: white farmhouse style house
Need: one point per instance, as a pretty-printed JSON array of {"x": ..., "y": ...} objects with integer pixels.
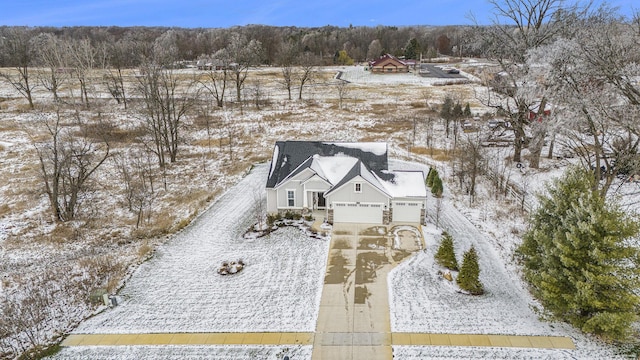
[{"x": 350, "y": 182}]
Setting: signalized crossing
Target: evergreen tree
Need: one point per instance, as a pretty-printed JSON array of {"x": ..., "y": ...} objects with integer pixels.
[
  {"x": 446, "y": 110},
  {"x": 578, "y": 258},
  {"x": 446, "y": 255},
  {"x": 446, "y": 113},
  {"x": 436, "y": 188},
  {"x": 469, "y": 276},
  {"x": 412, "y": 50},
  {"x": 457, "y": 111},
  {"x": 467, "y": 111},
  {"x": 432, "y": 173}
]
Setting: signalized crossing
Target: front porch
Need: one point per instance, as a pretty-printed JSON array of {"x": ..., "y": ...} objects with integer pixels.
[{"x": 319, "y": 217}]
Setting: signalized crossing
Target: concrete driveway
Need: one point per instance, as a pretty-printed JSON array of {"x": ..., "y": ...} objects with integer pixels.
[{"x": 353, "y": 322}]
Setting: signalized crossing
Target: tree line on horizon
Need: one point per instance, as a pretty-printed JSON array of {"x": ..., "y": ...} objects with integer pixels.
[{"x": 360, "y": 43}]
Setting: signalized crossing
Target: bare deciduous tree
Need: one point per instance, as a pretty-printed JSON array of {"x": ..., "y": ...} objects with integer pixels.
[
  {"x": 471, "y": 163},
  {"x": 240, "y": 53},
  {"x": 520, "y": 25},
  {"x": 343, "y": 90},
  {"x": 136, "y": 175},
  {"x": 215, "y": 80},
  {"x": 592, "y": 76},
  {"x": 67, "y": 162},
  {"x": 120, "y": 57},
  {"x": 82, "y": 59},
  {"x": 286, "y": 59},
  {"x": 306, "y": 72},
  {"x": 374, "y": 50},
  {"x": 166, "y": 100},
  {"x": 53, "y": 57},
  {"x": 17, "y": 46}
]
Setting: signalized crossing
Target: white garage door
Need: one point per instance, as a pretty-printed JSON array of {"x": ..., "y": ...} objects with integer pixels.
[
  {"x": 406, "y": 211},
  {"x": 357, "y": 213}
]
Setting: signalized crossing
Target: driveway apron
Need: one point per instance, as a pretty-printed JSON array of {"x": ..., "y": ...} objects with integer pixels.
[{"x": 353, "y": 322}]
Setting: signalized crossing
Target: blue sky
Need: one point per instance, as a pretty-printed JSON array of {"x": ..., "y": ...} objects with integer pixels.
[{"x": 225, "y": 13}]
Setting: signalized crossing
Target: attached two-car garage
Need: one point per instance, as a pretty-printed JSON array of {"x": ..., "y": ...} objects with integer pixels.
[
  {"x": 406, "y": 211},
  {"x": 372, "y": 213},
  {"x": 366, "y": 213}
]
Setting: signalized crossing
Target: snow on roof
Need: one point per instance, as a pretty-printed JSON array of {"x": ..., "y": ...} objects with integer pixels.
[
  {"x": 536, "y": 107},
  {"x": 333, "y": 168},
  {"x": 406, "y": 184},
  {"x": 276, "y": 151},
  {"x": 373, "y": 179},
  {"x": 377, "y": 148}
]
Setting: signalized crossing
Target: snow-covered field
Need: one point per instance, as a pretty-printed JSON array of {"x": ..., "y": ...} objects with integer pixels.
[{"x": 178, "y": 290}]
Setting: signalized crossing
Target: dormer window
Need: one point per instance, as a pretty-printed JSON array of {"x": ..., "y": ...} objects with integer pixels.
[{"x": 358, "y": 187}]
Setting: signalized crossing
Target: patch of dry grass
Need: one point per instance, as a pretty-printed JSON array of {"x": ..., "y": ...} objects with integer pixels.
[
  {"x": 144, "y": 250},
  {"x": 4, "y": 209},
  {"x": 62, "y": 233},
  {"x": 205, "y": 143},
  {"x": 372, "y": 138},
  {"x": 435, "y": 154},
  {"x": 105, "y": 131}
]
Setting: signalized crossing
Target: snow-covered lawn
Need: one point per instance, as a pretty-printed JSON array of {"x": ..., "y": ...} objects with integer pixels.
[
  {"x": 279, "y": 290},
  {"x": 184, "y": 352},
  {"x": 179, "y": 289},
  {"x": 422, "y": 301}
]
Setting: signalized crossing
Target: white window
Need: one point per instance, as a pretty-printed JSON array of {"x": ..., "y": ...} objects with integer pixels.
[
  {"x": 358, "y": 187},
  {"x": 291, "y": 198}
]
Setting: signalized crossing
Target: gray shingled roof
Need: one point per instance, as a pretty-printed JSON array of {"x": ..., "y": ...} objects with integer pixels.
[{"x": 291, "y": 154}]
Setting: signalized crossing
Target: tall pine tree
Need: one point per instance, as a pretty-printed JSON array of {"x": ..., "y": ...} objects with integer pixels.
[
  {"x": 579, "y": 259},
  {"x": 469, "y": 276},
  {"x": 446, "y": 255},
  {"x": 437, "y": 188},
  {"x": 432, "y": 173}
]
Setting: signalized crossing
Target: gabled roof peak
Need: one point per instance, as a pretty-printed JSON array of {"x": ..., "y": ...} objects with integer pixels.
[{"x": 289, "y": 155}]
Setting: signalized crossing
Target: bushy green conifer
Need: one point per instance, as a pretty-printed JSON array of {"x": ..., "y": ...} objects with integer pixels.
[
  {"x": 579, "y": 259},
  {"x": 436, "y": 188},
  {"x": 446, "y": 255},
  {"x": 432, "y": 173},
  {"x": 469, "y": 276}
]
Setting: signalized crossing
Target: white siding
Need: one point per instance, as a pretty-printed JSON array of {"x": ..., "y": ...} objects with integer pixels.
[
  {"x": 316, "y": 185},
  {"x": 369, "y": 194},
  {"x": 282, "y": 195},
  {"x": 272, "y": 201}
]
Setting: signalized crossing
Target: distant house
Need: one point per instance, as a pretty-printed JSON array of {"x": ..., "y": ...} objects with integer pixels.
[
  {"x": 388, "y": 64},
  {"x": 536, "y": 114},
  {"x": 210, "y": 64},
  {"x": 347, "y": 182}
]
